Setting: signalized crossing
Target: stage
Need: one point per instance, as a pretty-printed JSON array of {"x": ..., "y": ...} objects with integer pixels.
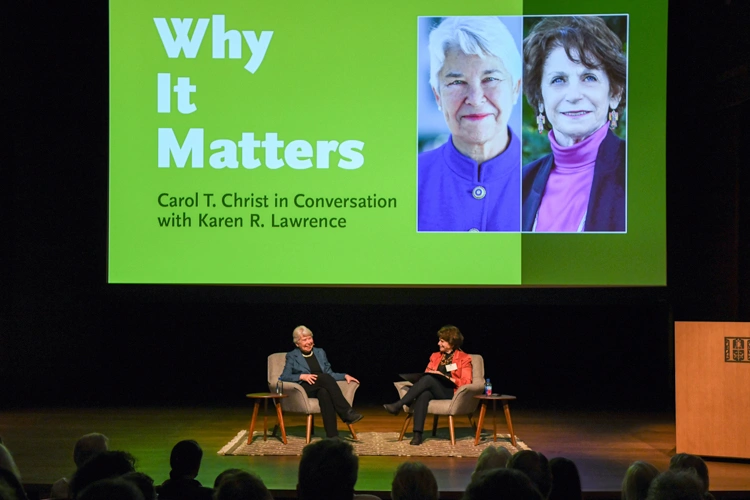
[{"x": 602, "y": 444}]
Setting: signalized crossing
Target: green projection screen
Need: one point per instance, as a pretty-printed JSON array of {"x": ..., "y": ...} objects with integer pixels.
[{"x": 297, "y": 143}]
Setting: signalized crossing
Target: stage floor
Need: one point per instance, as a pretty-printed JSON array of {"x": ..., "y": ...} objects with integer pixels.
[{"x": 602, "y": 444}]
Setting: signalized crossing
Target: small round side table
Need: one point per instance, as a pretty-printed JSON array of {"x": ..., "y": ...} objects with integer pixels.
[
  {"x": 265, "y": 396},
  {"x": 483, "y": 399}
]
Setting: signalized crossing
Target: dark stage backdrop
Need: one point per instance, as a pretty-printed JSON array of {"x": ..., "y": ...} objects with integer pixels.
[{"x": 66, "y": 338}]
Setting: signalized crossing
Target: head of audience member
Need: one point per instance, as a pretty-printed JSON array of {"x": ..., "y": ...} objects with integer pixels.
[
  {"x": 414, "y": 481},
  {"x": 10, "y": 486},
  {"x": 185, "y": 459},
  {"x": 7, "y": 462},
  {"x": 104, "y": 465},
  {"x": 143, "y": 482},
  {"x": 501, "y": 484},
  {"x": 566, "y": 482},
  {"x": 686, "y": 461},
  {"x": 223, "y": 475},
  {"x": 536, "y": 467},
  {"x": 327, "y": 471},
  {"x": 637, "y": 480},
  {"x": 676, "y": 485},
  {"x": 242, "y": 485},
  {"x": 116, "y": 488},
  {"x": 88, "y": 446},
  {"x": 10, "y": 477},
  {"x": 491, "y": 458}
]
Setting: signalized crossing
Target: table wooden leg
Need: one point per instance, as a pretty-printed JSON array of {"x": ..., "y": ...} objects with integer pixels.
[
  {"x": 256, "y": 407},
  {"x": 494, "y": 421},
  {"x": 482, "y": 411},
  {"x": 265, "y": 419},
  {"x": 309, "y": 428},
  {"x": 280, "y": 418},
  {"x": 506, "y": 408}
]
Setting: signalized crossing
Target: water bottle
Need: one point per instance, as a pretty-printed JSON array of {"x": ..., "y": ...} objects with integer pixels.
[
  {"x": 279, "y": 386},
  {"x": 487, "y": 388}
]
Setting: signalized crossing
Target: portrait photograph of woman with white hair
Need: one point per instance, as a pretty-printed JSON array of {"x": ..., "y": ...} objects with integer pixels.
[{"x": 469, "y": 121}]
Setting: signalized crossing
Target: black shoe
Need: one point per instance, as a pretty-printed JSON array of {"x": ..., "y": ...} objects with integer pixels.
[
  {"x": 417, "y": 439},
  {"x": 352, "y": 417},
  {"x": 393, "y": 408}
]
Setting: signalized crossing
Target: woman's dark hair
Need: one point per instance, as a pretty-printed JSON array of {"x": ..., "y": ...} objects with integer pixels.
[
  {"x": 104, "y": 465},
  {"x": 535, "y": 466},
  {"x": 686, "y": 461},
  {"x": 566, "y": 482},
  {"x": 452, "y": 335},
  {"x": 414, "y": 481},
  {"x": 242, "y": 485},
  {"x": 588, "y": 38},
  {"x": 501, "y": 483}
]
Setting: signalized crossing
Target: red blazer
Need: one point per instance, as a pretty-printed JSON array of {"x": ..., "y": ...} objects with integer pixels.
[{"x": 462, "y": 374}]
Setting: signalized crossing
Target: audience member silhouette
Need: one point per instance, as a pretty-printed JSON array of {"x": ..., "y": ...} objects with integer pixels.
[
  {"x": 85, "y": 448},
  {"x": 686, "y": 461},
  {"x": 676, "y": 485},
  {"x": 501, "y": 484},
  {"x": 536, "y": 467},
  {"x": 242, "y": 485},
  {"x": 637, "y": 479},
  {"x": 224, "y": 474},
  {"x": 491, "y": 458},
  {"x": 143, "y": 482},
  {"x": 566, "y": 482},
  {"x": 116, "y": 488},
  {"x": 185, "y": 461},
  {"x": 10, "y": 477},
  {"x": 327, "y": 471},
  {"x": 414, "y": 481},
  {"x": 104, "y": 465}
]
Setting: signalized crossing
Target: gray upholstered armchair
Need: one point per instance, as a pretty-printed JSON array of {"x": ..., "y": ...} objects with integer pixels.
[
  {"x": 298, "y": 401},
  {"x": 463, "y": 402}
]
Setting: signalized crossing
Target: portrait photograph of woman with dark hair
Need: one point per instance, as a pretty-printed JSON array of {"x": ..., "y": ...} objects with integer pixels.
[{"x": 574, "y": 80}]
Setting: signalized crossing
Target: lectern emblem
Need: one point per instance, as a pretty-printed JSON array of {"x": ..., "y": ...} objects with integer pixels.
[{"x": 737, "y": 349}]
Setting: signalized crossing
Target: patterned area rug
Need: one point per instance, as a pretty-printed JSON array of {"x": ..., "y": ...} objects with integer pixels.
[{"x": 375, "y": 443}]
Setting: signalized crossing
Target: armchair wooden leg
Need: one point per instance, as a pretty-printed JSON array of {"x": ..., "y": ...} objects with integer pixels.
[
  {"x": 309, "y": 428},
  {"x": 351, "y": 429},
  {"x": 434, "y": 425},
  {"x": 452, "y": 429},
  {"x": 403, "y": 427}
]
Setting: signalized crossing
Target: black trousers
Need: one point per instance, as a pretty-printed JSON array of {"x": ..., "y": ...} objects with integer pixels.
[
  {"x": 332, "y": 402},
  {"x": 419, "y": 396}
]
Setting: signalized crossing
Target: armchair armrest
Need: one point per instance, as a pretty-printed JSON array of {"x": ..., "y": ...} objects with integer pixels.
[
  {"x": 348, "y": 390},
  {"x": 402, "y": 387},
  {"x": 297, "y": 402},
  {"x": 463, "y": 400}
]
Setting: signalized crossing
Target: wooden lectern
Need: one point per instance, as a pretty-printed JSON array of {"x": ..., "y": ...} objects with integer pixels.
[{"x": 712, "y": 388}]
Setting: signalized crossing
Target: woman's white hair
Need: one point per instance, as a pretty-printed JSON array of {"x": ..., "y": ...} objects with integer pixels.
[
  {"x": 299, "y": 332},
  {"x": 481, "y": 36}
]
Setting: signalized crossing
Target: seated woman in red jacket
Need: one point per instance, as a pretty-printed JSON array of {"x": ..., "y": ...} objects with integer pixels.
[{"x": 450, "y": 362}]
